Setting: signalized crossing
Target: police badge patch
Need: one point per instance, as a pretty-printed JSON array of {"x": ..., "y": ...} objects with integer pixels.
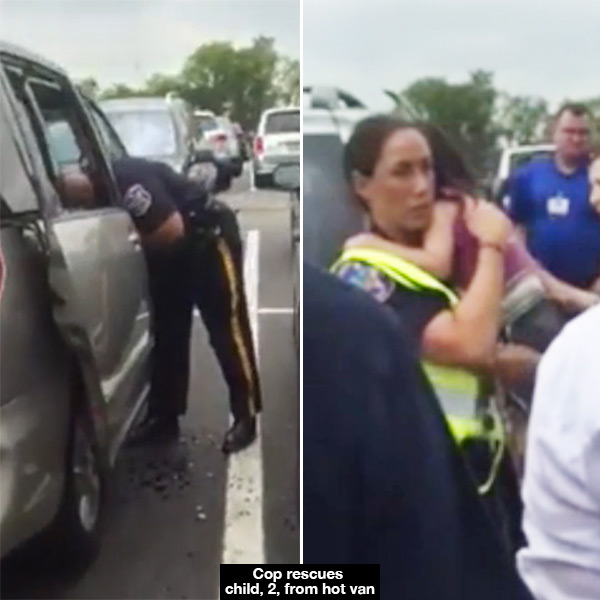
[
  {"x": 137, "y": 200},
  {"x": 367, "y": 278}
]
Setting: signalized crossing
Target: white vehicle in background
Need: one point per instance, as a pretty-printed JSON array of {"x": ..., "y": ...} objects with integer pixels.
[
  {"x": 277, "y": 142},
  {"x": 222, "y": 138},
  {"x": 513, "y": 158}
]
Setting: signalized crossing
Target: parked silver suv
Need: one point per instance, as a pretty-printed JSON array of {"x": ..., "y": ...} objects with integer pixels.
[{"x": 74, "y": 311}]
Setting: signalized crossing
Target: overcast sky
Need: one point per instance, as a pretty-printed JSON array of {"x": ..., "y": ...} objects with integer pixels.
[
  {"x": 548, "y": 48},
  {"x": 128, "y": 40}
]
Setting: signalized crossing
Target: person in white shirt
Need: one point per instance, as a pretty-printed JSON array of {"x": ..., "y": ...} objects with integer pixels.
[{"x": 561, "y": 489}]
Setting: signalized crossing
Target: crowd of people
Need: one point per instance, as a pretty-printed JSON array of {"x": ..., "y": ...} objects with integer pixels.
[{"x": 475, "y": 308}]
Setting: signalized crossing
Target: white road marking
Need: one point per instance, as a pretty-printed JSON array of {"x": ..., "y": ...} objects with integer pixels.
[
  {"x": 243, "y": 541},
  {"x": 275, "y": 311}
]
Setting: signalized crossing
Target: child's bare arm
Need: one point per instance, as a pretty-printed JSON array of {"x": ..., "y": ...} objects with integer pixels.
[{"x": 435, "y": 256}]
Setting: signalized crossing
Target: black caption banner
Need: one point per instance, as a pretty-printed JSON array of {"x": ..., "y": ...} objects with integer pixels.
[{"x": 251, "y": 581}]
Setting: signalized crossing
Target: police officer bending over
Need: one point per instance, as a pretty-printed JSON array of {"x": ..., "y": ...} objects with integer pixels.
[{"x": 194, "y": 254}]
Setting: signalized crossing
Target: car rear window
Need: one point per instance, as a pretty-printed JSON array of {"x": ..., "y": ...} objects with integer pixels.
[
  {"x": 283, "y": 122},
  {"x": 145, "y": 133},
  {"x": 206, "y": 123}
]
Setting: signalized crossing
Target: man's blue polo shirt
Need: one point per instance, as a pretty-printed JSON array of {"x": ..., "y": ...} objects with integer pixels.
[{"x": 563, "y": 229}]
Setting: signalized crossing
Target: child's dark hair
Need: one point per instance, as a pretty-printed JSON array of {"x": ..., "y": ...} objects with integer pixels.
[
  {"x": 363, "y": 149},
  {"x": 450, "y": 166}
]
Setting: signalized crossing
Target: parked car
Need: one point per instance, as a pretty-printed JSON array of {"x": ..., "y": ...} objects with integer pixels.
[
  {"x": 287, "y": 177},
  {"x": 154, "y": 128},
  {"x": 329, "y": 98},
  {"x": 222, "y": 138},
  {"x": 513, "y": 158},
  {"x": 76, "y": 343},
  {"x": 243, "y": 141},
  {"x": 277, "y": 141}
]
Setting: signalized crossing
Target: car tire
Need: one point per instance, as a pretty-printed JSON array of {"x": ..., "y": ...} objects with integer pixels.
[
  {"x": 76, "y": 530},
  {"x": 262, "y": 181}
]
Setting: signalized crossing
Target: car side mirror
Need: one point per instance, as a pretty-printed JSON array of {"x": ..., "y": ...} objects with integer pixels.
[{"x": 287, "y": 177}]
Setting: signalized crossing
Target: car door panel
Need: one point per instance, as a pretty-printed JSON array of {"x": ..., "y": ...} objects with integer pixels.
[
  {"x": 97, "y": 270},
  {"x": 34, "y": 394}
]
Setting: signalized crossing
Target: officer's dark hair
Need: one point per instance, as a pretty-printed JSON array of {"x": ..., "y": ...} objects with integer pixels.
[
  {"x": 575, "y": 108},
  {"x": 363, "y": 150}
]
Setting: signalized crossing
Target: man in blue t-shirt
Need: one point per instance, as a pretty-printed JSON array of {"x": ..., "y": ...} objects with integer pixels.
[{"x": 549, "y": 200}]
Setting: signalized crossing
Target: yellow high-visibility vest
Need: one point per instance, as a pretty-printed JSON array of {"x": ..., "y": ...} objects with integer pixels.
[{"x": 460, "y": 392}]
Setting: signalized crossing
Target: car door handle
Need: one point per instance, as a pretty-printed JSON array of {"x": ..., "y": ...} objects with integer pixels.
[{"x": 134, "y": 239}]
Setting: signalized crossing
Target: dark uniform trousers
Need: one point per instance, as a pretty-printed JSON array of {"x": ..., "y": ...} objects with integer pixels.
[{"x": 204, "y": 270}]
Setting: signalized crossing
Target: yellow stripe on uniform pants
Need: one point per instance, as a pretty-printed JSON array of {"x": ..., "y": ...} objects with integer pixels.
[{"x": 236, "y": 328}]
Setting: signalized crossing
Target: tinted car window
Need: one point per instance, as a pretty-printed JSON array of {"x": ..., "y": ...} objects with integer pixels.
[
  {"x": 62, "y": 142},
  {"x": 206, "y": 123},
  {"x": 145, "y": 133},
  {"x": 64, "y": 149},
  {"x": 15, "y": 187},
  {"x": 109, "y": 139},
  {"x": 283, "y": 122},
  {"x": 224, "y": 123}
]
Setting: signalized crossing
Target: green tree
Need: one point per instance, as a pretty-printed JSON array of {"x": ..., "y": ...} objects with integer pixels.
[
  {"x": 523, "y": 119},
  {"x": 288, "y": 81},
  {"x": 593, "y": 105},
  {"x": 465, "y": 112},
  {"x": 216, "y": 76},
  {"x": 208, "y": 76},
  {"x": 160, "y": 85},
  {"x": 120, "y": 90}
]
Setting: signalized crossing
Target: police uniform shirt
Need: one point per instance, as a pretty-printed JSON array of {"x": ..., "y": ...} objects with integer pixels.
[
  {"x": 384, "y": 482},
  {"x": 152, "y": 191},
  {"x": 417, "y": 309}
]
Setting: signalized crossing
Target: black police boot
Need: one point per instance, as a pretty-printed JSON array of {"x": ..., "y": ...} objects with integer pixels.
[
  {"x": 155, "y": 429},
  {"x": 240, "y": 435}
]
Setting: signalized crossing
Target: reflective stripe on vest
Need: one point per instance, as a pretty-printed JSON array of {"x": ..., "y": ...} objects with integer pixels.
[
  {"x": 398, "y": 269},
  {"x": 457, "y": 389}
]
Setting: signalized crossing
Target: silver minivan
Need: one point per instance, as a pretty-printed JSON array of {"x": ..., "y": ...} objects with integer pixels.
[{"x": 75, "y": 340}]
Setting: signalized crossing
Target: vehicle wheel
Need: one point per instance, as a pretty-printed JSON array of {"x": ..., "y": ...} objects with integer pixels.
[
  {"x": 262, "y": 181},
  {"x": 77, "y": 527}
]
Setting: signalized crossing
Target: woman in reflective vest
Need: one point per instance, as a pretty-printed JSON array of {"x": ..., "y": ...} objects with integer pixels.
[{"x": 389, "y": 165}]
